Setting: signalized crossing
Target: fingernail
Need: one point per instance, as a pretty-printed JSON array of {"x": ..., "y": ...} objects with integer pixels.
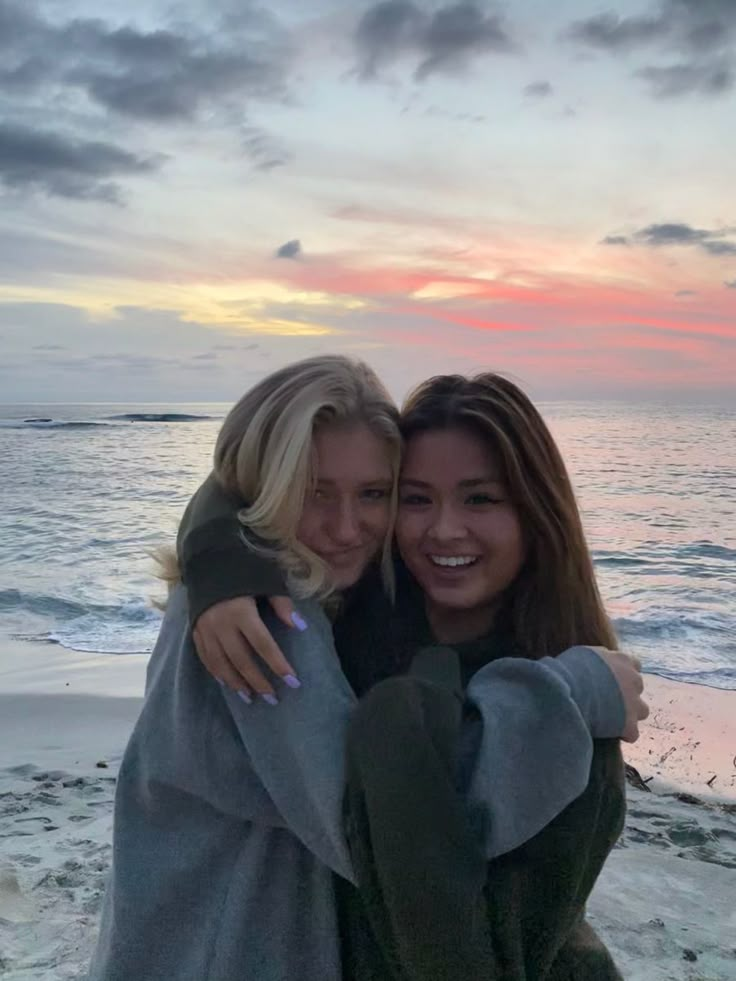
[
  {"x": 292, "y": 681},
  {"x": 299, "y": 622},
  {"x": 245, "y": 697},
  {"x": 269, "y": 699}
]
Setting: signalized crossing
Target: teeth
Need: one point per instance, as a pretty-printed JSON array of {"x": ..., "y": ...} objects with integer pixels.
[{"x": 453, "y": 560}]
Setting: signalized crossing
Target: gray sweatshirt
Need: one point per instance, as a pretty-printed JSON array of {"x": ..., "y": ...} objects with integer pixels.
[{"x": 228, "y": 817}]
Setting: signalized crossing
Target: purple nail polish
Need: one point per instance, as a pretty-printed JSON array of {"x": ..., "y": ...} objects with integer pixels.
[
  {"x": 270, "y": 699},
  {"x": 299, "y": 622},
  {"x": 292, "y": 681},
  {"x": 245, "y": 697}
]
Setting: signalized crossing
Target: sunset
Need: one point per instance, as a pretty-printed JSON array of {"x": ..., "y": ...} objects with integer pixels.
[{"x": 545, "y": 191}]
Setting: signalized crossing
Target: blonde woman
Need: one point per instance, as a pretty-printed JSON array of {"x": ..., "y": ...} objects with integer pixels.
[{"x": 229, "y": 820}]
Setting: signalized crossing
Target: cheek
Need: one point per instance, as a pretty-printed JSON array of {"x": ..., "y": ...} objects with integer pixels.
[
  {"x": 512, "y": 540},
  {"x": 504, "y": 537},
  {"x": 308, "y": 529},
  {"x": 407, "y": 530}
]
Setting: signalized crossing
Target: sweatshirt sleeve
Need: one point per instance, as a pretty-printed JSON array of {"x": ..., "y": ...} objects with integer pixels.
[
  {"x": 527, "y": 741},
  {"x": 214, "y": 558},
  {"x": 297, "y": 748}
]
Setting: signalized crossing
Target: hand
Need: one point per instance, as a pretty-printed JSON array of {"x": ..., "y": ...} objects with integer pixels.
[
  {"x": 230, "y": 636},
  {"x": 626, "y": 669}
]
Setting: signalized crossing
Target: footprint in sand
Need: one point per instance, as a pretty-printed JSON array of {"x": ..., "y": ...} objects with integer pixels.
[{"x": 14, "y": 906}]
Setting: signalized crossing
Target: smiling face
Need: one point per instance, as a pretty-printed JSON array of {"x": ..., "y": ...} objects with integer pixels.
[
  {"x": 457, "y": 531},
  {"x": 346, "y": 516}
]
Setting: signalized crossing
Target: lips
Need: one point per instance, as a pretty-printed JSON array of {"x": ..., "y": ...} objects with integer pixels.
[{"x": 453, "y": 561}]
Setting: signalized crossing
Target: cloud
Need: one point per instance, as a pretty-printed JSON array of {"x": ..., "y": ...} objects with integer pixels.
[
  {"x": 701, "y": 33},
  {"x": 538, "y": 90},
  {"x": 160, "y": 75},
  {"x": 730, "y": 284},
  {"x": 695, "y": 26},
  {"x": 677, "y": 233},
  {"x": 289, "y": 250},
  {"x": 686, "y": 293},
  {"x": 259, "y": 145},
  {"x": 610, "y": 32},
  {"x": 718, "y": 247},
  {"x": 443, "y": 41},
  {"x": 62, "y": 166},
  {"x": 671, "y": 233},
  {"x": 676, "y": 80}
]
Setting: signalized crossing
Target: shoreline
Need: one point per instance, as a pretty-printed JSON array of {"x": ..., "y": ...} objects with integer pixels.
[
  {"x": 663, "y": 904},
  {"x": 688, "y": 743}
]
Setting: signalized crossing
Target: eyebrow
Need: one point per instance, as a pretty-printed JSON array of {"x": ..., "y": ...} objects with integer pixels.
[
  {"x": 470, "y": 482},
  {"x": 379, "y": 482}
]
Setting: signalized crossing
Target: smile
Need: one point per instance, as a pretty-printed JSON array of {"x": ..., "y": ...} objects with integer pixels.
[{"x": 453, "y": 561}]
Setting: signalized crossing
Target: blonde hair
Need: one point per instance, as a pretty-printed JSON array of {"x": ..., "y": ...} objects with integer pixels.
[
  {"x": 554, "y": 603},
  {"x": 263, "y": 455}
]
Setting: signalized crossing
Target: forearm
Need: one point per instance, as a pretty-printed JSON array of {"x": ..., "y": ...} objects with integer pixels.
[
  {"x": 215, "y": 560},
  {"x": 528, "y": 742},
  {"x": 298, "y": 747}
]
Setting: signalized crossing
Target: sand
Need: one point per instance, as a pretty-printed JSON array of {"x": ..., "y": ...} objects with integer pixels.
[{"x": 666, "y": 902}]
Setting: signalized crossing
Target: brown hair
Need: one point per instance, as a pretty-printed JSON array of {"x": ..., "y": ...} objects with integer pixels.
[{"x": 554, "y": 602}]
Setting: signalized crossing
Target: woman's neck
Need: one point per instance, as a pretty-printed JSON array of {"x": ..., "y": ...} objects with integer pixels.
[{"x": 451, "y": 626}]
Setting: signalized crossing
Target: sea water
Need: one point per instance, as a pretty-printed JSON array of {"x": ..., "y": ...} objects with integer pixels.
[{"x": 89, "y": 490}]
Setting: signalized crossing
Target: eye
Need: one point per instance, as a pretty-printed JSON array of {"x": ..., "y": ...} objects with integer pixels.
[
  {"x": 414, "y": 500},
  {"x": 374, "y": 494},
  {"x": 481, "y": 498}
]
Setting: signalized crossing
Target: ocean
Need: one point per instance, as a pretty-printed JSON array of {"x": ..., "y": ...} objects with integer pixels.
[{"x": 88, "y": 490}]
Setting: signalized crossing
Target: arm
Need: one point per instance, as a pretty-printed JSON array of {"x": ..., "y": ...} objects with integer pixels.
[
  {"x": 297, "y": 751},
  {"x": 437, "y": 910},
  {"x": 213, "y": 554},
  {"x": 527, "y": 740},
  {"x": 222, "y": 574}
]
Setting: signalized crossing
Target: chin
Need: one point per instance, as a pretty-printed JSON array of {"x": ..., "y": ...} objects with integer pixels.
[{"x": 344, "y": 579}]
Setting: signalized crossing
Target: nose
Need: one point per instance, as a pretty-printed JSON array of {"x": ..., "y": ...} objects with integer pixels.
[
  {"x": 446, "y": 525},
  {"x": 345, "y": 526}
]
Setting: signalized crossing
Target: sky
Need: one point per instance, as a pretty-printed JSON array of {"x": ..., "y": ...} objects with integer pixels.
[{"x": 193, "y": 194}]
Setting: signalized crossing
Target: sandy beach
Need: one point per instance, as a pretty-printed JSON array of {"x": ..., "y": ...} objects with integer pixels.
[{"x": 665, "y": 903}]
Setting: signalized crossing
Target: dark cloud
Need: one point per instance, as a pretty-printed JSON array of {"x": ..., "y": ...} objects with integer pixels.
[
  {"x": 610, "y": 32},
  {"x": 678, "y": 233},
  {"x": 719, "y": 247},
  {"x": 159, "y": 75},
  {"x": 685, "y": 78},
  {"x": 671, "y": 233},
  {"x": 262, "y": 150},
  {"x": 695, "y": 26},
  {"x": 65, "y": 167},
  {"x": 701, "y": 32},
  {"x": 538, "y": 90},
  {"x": 289, "y": 250},
  {"x": 441, "y": 41}
]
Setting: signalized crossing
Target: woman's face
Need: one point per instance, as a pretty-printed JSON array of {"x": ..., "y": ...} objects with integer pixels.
[
  {"x": 346, "y": 517},
  {"x": 457, "y": 530}
]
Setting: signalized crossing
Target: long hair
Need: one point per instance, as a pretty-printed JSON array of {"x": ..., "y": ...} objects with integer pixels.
[
  {"x": 554, "y": 602},
  {"x": 263, "y": 454}
]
